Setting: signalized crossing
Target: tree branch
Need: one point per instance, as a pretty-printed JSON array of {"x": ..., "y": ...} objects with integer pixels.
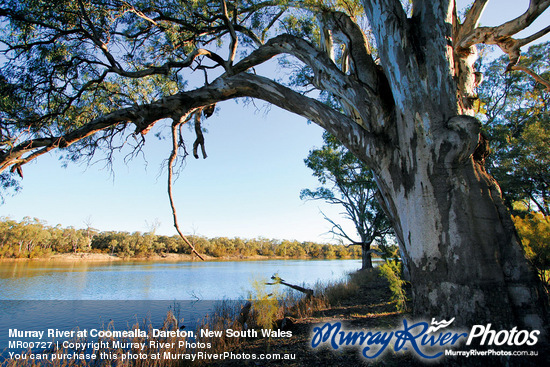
[
  {"x": 474, "y": 15},
  {"x": 247, "y": 32},
  {"x": 327, "y": 76},
  {"x": 139, "y": 13},
  {"x": 535, "y": 36},
  {"x": 534, "y": 75},
  {"x": 173, "y": 155},
  {"x": 95, "y": 37},
  {"x": 361, "y": 142},
  {"x": 234, "y": 38},
  {"x": 341, "y": 232},
  {"x": 271, "y": 23},
  {"x": 223, "y": 88},
  {"x": 165, "y": 69},
  {"x": 199, "y": 141},
  {"x": 501, "y": 35},
  {"x": 357, "y": 45},
  {"x": 39, "y": 146}
]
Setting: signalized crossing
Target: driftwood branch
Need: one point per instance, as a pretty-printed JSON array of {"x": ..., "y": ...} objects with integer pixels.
[{"x": 278, "y": 280}]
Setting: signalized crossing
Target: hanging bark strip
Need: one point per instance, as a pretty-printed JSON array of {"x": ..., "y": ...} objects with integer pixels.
[
  {"x": 200, "y": 137},
  {"x": 171, "y": 161}
]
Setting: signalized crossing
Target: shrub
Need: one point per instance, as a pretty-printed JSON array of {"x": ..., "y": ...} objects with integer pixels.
[{"x": 393, "y": 272}]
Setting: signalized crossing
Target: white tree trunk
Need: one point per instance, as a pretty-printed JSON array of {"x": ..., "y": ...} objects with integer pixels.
[{"x": 460, "y": 246}]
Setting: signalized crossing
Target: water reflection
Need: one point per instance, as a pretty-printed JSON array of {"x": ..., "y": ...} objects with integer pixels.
[
  {"x": 156, "y": 281},
  {"x": 42, "y": 295}
]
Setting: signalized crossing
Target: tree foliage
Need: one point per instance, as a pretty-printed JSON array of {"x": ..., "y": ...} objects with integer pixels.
[
  {"x": 534, "y": 230},
  {"x": 86, "y": 75},
  {"x": 516, "y": 111},
  {"x": 348, "y": 182},
  {"x": 32, "y": 238}
]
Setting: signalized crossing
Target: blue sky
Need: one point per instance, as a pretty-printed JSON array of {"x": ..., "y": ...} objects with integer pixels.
[{"x": 247, "y": 187}]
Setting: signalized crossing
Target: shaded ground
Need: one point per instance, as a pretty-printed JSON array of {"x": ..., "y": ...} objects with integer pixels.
[{"x": 367, "y": 308}]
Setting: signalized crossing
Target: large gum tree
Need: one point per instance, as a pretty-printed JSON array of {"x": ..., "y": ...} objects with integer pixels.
[{"x": 80, "y": 75}]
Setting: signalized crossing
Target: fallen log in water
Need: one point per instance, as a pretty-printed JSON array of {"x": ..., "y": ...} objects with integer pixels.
[{"x": 277, "y": 280}]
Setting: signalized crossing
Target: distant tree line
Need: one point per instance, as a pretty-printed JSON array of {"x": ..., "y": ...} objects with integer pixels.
[{"x": 33, "y": 238}]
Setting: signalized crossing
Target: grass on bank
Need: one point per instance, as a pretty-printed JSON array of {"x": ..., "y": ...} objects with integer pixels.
[{"x": 268, "y": 309}]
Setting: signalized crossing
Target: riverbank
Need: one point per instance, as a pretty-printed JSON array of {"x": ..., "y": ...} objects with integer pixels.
[
  {"x": 362, "y": 303},
  {"x": 169, "y": 257},
  {"x": 366, "y": 305}
]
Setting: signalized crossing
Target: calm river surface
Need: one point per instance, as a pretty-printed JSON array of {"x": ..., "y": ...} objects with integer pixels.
[
  {"x": 142, "y": 280},
  {"x": 47, "y": 295}
]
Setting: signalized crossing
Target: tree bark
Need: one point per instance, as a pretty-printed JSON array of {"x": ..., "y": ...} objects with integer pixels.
[
  {"x": 459, "y": 244},
  {"x": 462, "y": 251},
  {"x": 366, "y": 257}
]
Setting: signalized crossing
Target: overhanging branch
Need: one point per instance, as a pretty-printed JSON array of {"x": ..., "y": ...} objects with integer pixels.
[
  {"x": 42, "y": 145},
  {"x": 361, "y": 142},
  {"x": 223, "y": 88},
  {"x": 327, "y": 76}
]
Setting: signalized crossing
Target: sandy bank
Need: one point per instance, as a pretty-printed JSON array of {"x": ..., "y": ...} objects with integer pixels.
[{"x": 73, "y": 257}]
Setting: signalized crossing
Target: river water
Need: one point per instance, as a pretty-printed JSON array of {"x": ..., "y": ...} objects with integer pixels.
[
  {"x": 143, "y": 280},
  {"x": 46, "y": 295}
]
